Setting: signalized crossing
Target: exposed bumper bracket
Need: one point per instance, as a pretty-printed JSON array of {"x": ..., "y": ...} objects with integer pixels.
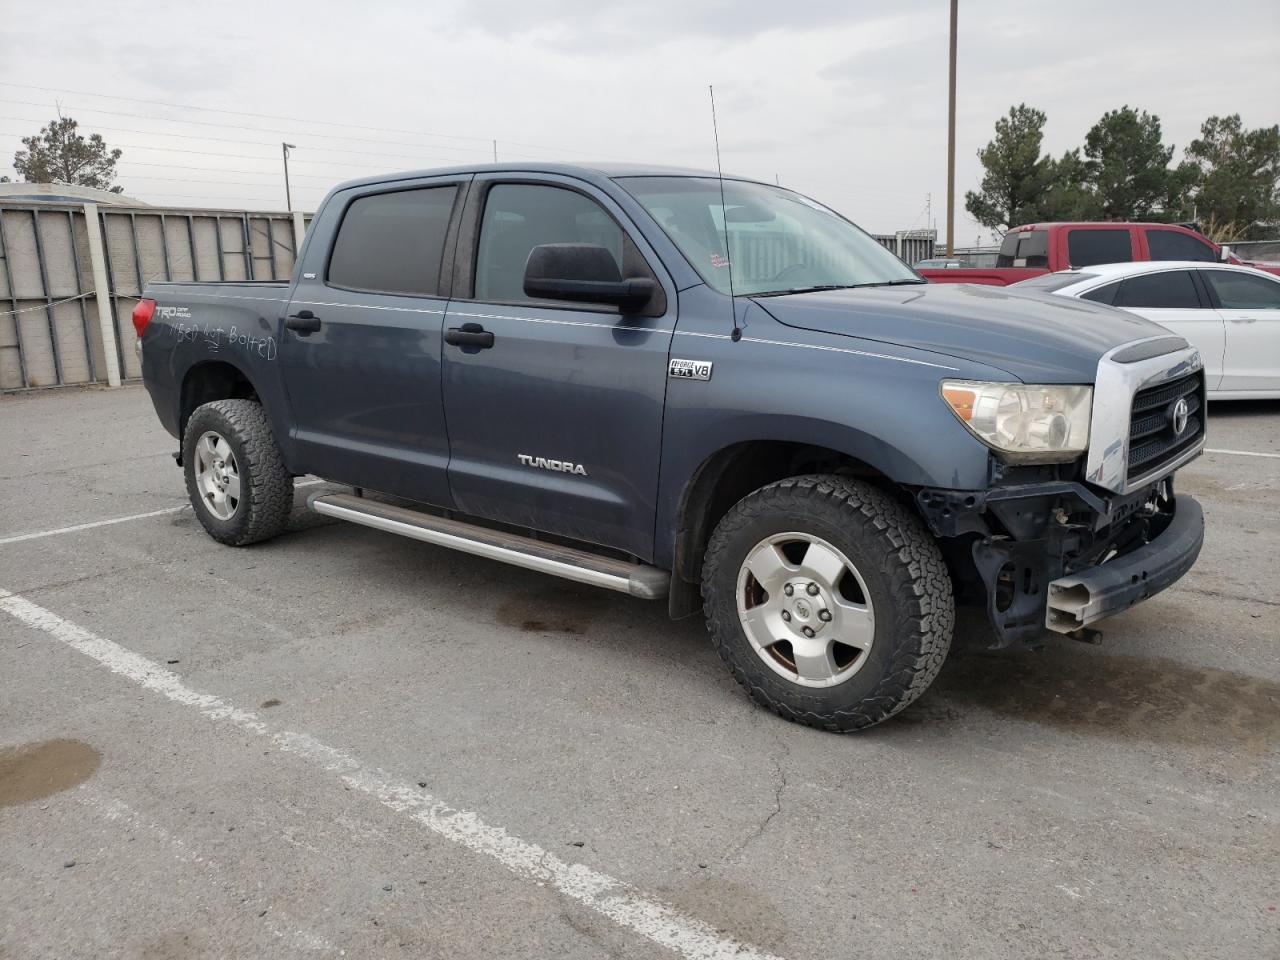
[{"x": 1083, "y": 598}]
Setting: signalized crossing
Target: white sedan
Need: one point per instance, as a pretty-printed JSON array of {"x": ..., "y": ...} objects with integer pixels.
[{"x": 1230, "y": 314}]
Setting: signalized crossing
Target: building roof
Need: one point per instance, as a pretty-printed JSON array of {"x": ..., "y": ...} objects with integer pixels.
[{"x": 64, "y": 193}]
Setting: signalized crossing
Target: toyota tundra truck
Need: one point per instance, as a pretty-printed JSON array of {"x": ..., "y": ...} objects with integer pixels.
[{"x": 711, "y": 391}]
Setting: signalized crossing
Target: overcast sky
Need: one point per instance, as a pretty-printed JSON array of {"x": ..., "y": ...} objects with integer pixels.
[{"x": 841, "y": 99}]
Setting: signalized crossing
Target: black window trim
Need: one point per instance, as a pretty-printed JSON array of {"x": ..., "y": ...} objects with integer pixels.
[
  {"x": 461, "y": 183},
  {"x": 468, "y": 247}
]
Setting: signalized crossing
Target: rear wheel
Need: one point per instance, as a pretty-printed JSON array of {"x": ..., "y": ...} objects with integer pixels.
[
  {"x": 828, "y": 600},
  {"x": 236, "y": 479}
]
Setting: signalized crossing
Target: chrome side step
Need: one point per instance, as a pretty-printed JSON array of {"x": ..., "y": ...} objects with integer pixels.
[{"x": 638, "y": 580}]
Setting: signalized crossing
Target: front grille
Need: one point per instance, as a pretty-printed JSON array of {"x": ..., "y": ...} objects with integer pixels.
[{"x": 1152, "y": 441}]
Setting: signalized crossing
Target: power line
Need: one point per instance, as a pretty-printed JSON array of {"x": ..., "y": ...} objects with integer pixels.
[
  {"x": 270, "y": 116},
  {"x": 252, "y": 143},
  {"x": 228, "y": 126},
  {"x": 256, "y": 173}
]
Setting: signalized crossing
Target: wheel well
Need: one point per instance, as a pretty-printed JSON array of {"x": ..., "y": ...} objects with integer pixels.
[
  {"x": 728, "y": 476},
  {"x": 211, "y": 381}
]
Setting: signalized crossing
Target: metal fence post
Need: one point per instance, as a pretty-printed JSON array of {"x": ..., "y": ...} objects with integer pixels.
[{"x": 101, "y": 290}]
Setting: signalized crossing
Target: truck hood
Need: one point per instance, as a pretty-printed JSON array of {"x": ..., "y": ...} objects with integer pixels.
[{"x": 1036, "y": 338}]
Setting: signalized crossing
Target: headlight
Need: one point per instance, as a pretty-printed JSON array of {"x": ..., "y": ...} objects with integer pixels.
[{"x": 1026, "y": 424}]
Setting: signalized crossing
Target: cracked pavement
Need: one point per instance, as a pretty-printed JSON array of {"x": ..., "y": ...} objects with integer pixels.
[{"x": 1070, "y": 801}]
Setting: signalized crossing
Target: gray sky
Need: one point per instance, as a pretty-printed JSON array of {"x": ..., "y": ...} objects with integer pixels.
[{"x": 841, "y": 99}]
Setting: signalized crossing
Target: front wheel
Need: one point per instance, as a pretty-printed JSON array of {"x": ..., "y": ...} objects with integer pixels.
[
  {"x": 828, "y": 600},
  {"x": 239, "y": 486}
]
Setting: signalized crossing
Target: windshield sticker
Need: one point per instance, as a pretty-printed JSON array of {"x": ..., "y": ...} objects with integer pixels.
[{"x": 718, "y": 260}]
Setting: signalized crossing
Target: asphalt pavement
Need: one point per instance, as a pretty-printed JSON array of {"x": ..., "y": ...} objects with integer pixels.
[{"x": 345, "y": 743}]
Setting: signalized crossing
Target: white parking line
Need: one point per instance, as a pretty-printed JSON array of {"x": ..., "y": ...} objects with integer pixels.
[
  {"x": 89, "y": 526},
  {"x": 19, "y": 538},
  {"x": 1245, "y": 453},
  {"x": 620, "y": 902}
]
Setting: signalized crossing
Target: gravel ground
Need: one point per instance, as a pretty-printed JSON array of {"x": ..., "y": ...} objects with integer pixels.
[{"x": 343, "y": 743}]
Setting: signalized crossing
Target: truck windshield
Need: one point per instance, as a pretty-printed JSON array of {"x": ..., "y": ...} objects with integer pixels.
[{"x": 778, "y": 240}]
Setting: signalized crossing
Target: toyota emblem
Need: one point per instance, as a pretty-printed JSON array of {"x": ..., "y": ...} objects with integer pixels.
[{"x": 1178, "y": 415}]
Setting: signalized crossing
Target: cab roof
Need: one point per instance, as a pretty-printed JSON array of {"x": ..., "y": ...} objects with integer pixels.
[{"x": 583, "y": 171}]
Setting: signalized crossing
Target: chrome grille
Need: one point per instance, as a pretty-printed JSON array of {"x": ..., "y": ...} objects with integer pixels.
[{"x": 1152, "y": 440}]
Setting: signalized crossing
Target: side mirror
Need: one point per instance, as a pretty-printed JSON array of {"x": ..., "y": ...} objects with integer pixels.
[
  {"x": 1224, "y": 253},
  {"x": 583, "y": 273}
]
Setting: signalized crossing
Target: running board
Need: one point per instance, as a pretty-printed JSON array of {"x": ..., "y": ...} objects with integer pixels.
[{"x": 638, "y": 580}]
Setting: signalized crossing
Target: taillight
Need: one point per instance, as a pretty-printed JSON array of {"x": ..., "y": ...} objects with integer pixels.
[{"x": 142, "y": 314}]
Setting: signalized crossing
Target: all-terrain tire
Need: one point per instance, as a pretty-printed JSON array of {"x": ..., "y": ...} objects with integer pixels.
[
  {"x": 266, "y": 486},
  {"x": 905, "y": 579}
]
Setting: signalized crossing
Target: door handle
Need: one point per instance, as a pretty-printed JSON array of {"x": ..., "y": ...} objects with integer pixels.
[
  {"x": 1244, "y": 319},
  {"x": 304, "y": 321},
  {"x": 469, "y": 335}
]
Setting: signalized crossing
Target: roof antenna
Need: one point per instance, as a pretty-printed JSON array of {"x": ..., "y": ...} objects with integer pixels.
[{"x": 733, "y": 304}]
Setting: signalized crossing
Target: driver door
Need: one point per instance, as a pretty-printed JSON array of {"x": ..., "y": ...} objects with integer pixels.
[{"x": 555, "y": 422}]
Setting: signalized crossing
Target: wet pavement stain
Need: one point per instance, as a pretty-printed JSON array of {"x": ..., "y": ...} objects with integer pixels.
[
  {"x": 37, "y": 770},
  {"x": 268, "y": 704},
  {"x": 559, "y": 610},
  {"x": 1117, "y": 696}
]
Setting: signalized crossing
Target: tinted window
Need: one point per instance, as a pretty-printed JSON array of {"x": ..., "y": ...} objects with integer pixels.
[
  {"x": 1172, "y": 245},
  {"x": 393, "y": 242},
  {"x": 1026, "y": 248},
  {"x": 1242, "y": 291},
  {"x": 1105, "y": 294},
  {"x": 1087, "y": 247},
  {"x": 1173, "y": 290},
  {"x": 519, "y": 217}
]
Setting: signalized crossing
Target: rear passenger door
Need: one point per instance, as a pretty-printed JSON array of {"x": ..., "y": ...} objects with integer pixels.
[
  {"x": 1249, "y": 305},
  {"x": 1173, "y": 299},
  {"x": 557, "y": 425},
  {"x": 360, "y": 348}
]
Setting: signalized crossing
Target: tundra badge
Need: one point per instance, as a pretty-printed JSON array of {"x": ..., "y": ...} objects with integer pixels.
[
  {"x": 560, "y": 466},
  {"x": 690, "y": 369}
]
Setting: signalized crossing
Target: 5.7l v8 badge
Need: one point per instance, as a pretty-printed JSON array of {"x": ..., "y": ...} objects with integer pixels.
[{"x": 689, "y": 369}]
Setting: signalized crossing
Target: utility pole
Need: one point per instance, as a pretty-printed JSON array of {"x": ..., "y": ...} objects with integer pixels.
[
  {"x": 284, "y": 149},
  {"x": 951, "y": 139}
]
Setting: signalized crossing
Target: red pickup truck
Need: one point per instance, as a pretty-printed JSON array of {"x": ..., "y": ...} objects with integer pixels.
[{"x": 1036, "y": 248}]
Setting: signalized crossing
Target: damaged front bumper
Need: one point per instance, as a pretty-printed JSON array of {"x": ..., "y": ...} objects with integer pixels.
[
  {"x": 1087, "y": 596},
  {"x": 1058, "y": 556}
]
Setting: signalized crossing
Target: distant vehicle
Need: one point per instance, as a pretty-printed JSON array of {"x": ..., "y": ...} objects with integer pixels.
[
  {"x": 553, "y": 366},
  {"x": 943, "y": 263},
  {"x": 1230, "y": 314},
  {"x": 1040, "y": 248}
]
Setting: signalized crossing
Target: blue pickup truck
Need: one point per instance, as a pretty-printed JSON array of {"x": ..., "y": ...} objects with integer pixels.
[{"x": 716, "y": 392}]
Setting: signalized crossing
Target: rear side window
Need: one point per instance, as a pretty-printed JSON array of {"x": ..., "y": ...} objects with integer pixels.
[
  {"x": 393, "y": 242},
  {"x": 1172, "y": 245},
  {"x": 1172, "y": 290},
  {"x": 1242, "y": 291},
  {"x": 518, "y": 217},
  {"x": 1106, "y": 294},
  {"x": 1026, "y": 248},
  {"x": 1087, "y": 247},
  {"x": 1052, "y": 281}
]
